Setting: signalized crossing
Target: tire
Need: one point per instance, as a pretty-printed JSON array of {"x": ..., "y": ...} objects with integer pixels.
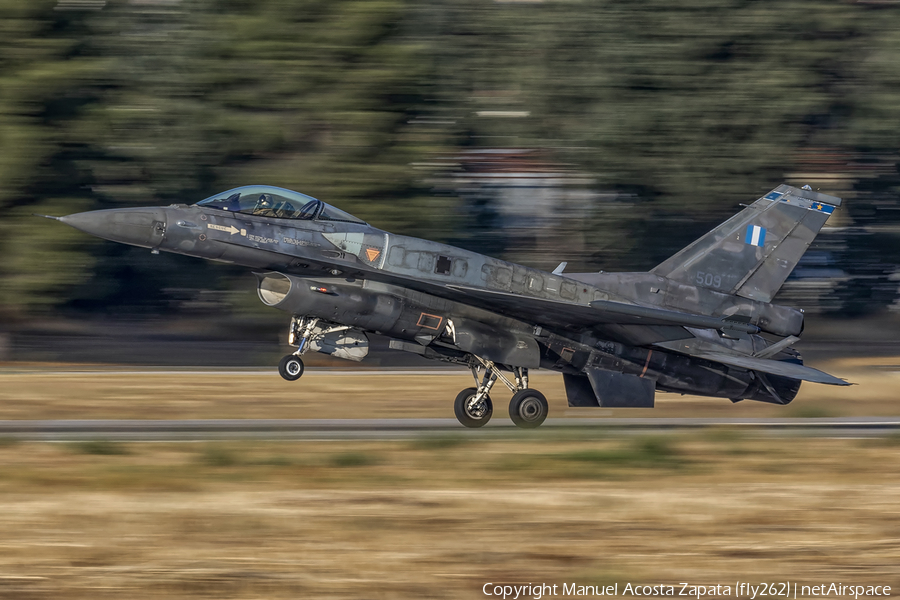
[
  {"x": 528, "y": 409},
  {"x": 479, "y": 416},
  {"x": 291, "y": 367}
]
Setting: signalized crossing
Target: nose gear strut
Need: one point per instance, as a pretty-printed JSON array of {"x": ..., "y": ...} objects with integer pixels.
[{"x": 301, "y": 329}]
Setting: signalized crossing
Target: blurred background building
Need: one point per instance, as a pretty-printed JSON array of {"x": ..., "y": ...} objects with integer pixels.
[{"x": 608, "y": 134}]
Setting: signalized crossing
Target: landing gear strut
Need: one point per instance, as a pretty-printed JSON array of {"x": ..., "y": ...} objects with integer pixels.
[
  {"x": 291, "y": 367},
  {"x": 527, "y": 409}
]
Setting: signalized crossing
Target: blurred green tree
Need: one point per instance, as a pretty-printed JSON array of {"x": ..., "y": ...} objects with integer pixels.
[
  {"x": 689, "y": 106},
  {"x": 44, "y": 83}
]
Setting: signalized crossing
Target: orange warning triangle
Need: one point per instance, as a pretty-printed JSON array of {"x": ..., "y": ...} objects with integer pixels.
[{"x": 372, "y": 254}]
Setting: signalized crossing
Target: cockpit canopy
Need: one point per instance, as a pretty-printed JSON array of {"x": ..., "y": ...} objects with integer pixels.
[{"x": 270, "y": 201}]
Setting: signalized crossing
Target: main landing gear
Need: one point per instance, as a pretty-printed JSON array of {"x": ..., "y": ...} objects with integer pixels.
[
  {"x": 473, "y": 407},
  {"x": 291, "y": 367}
]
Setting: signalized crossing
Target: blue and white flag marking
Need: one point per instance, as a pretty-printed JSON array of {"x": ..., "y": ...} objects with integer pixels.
[
  {"x": 755, "y": 236},
  {"x": 773, "y": 195}
]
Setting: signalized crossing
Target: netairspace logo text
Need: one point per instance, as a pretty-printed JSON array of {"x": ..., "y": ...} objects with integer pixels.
[{"x": 752, "y": 591}]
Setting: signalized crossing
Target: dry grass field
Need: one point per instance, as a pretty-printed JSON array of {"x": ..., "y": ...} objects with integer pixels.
[
  {"x": 432, "y": 517},
  {"x": 45, "y": 393},
  {"x": 439, "y": 518}
]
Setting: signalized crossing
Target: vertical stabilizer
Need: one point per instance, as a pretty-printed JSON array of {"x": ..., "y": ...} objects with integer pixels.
[{"x": 752, "y": 253}]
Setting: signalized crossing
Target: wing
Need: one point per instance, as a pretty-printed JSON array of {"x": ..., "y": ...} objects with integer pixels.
[
  {"x": 617, "y": 321},
  {"x": 638, "y": 325},
  {"x": 641, "y": 325}
]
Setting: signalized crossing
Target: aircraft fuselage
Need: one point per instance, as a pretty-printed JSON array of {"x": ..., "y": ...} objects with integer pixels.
[{"x": 359, "y": 276}]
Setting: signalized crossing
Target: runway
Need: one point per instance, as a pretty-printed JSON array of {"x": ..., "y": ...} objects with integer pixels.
[{"x": 387, "y": 429}]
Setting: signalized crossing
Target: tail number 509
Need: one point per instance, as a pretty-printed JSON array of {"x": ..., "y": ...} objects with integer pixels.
[{"x": 708, "y": 279}]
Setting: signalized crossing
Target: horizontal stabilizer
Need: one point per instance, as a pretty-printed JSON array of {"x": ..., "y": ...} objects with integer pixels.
[{"x": 774, "y": 367}]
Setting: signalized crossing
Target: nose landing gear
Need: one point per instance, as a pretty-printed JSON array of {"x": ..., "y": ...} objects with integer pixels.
[{"x": 291, "y": 367}]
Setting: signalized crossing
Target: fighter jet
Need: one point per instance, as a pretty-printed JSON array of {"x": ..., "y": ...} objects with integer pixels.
[{"x": 702, "y": 322}]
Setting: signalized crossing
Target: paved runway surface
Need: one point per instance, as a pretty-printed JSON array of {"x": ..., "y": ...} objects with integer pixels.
[{"x": 335, "y": 429}]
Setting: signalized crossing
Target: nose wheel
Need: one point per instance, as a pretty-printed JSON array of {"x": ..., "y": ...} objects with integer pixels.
[{"x": 291, "y": 367}]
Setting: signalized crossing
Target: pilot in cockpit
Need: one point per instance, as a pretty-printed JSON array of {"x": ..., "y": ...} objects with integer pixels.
[{"x": 265, "y": 206}]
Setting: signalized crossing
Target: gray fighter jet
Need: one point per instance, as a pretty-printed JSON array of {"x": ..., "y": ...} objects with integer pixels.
[{"x": 702, "y": 322}]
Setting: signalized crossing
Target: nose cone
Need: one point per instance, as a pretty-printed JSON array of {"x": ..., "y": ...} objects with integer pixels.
[{"x": 136, "y": 226}]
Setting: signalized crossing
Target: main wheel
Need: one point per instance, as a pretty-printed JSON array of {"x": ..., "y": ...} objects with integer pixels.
[
  {"x": 528, "y": 409},
  {"x": 291, "y": 367},
  {"x": 475, "y": 416}
]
